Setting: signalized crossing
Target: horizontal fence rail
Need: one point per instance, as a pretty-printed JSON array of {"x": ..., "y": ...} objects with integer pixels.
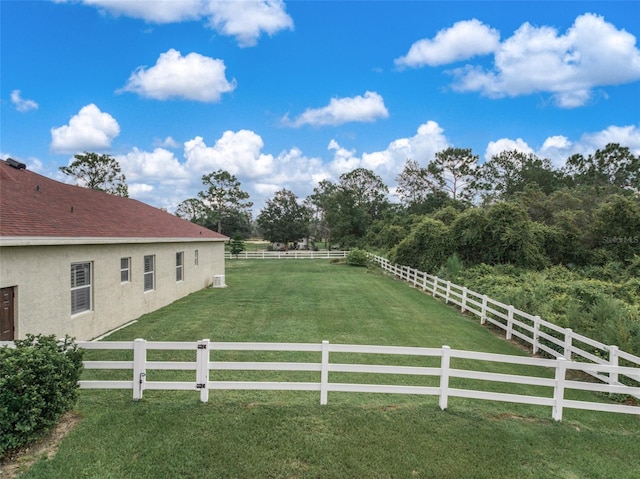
[
  {"x": 291, "y": 254},
  {"x": 551, "y": 374},
  {"x": 542, "y": 336}
]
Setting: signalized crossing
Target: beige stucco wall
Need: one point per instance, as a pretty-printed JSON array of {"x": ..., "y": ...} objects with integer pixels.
[{"x": 42, "y": 278}]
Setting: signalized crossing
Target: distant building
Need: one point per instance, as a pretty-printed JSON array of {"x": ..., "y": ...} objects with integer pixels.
[{"x": 82, "y": 262}]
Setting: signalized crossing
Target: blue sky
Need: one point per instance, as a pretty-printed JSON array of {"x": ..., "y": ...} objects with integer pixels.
[{"x": 285, "y": 94}]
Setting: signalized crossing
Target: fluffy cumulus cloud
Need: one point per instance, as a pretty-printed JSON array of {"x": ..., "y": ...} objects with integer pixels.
[
  {"x": 248, "y": 19},
  {"x": 239, "y": 153},
  {"x": 22, "y": 104},
  {"x": 592, "y": 53},
  {"x": 462, "y": 41},
  {"x": 388, "y": 163},
  {"x": 244, "y": 20},
  {"x": 362, "y": 108},
  {"x": 558, "y": 148},
  {"x": 89, "y": 129},
  {"x": 191, "y": 77}
]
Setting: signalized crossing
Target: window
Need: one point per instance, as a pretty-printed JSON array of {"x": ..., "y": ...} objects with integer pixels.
[
  {"x": 179, "y": 266},
  {"x": 125, "y": 270},
  {"x": 195, "y": 259},
  {"x": 149, "y": 272},
  {"x": 80, "y": 287}
]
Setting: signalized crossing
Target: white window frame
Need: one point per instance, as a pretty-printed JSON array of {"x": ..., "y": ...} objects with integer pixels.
[
  {"x": 82, "y": 291},
  {"x": 149, "y": 275},
  {"x": 179, "y": 266},
  {"x": 126, "y": 270}
]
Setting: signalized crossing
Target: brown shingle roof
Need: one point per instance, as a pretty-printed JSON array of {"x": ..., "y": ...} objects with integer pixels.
[{"x": 32, "y": 205}]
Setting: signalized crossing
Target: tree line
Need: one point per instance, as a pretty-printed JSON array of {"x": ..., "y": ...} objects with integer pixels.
[{"x": 515, "y": 208}]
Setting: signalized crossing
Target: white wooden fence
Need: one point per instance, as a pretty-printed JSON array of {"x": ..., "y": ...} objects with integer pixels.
[
  {"x": 292, "y": 254},
  {"x": 555, "y": 370},
  {"x": 541, "y": 335}
]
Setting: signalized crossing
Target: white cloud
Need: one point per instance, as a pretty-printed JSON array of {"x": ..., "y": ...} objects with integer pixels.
[
  {"x": 558, "y": 148},
  {"x": 365, "y": 108},
  {"x": 192, "y": 77},
  {"x": 388, "y": 163},
  {"x": 590, "y": 54},
  {"x": 90, "y": 129},
  {"x": 22, "y": 104},
  {"x": 506, "y": 144},
  {"x": 462, "y": 41},
  {"x": 168, "y": 142},
  {"x": 245, "y": 20},
  {"x": 239, "y": 153}
]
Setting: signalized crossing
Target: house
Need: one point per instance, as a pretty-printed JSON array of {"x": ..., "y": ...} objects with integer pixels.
[{"x": 82, "y": 262}]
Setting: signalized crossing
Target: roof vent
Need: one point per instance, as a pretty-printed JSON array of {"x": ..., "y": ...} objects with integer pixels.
[{"x": 16, "y": 164}]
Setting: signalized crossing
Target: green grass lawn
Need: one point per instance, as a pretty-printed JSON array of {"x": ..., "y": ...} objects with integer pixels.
[{"x": 267, "y": 434}]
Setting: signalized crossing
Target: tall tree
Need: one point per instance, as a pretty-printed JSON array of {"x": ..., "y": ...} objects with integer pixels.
[
  {"x": 511, "y": 172},
  {"x": 97, "y": 172},
  {"x": 414, "y": 184},
  {"x": 614, "y": 165},
  {"x": 453, "y": 171},
  {"x": 283, "y": 219},
  {"x": 367, "y": 190},
  {"x": 223, "y": 197},
  {"x": 193, "y": 210}
]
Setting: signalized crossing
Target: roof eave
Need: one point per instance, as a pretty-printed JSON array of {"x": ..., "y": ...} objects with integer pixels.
[{"x": 71, "y": 241}]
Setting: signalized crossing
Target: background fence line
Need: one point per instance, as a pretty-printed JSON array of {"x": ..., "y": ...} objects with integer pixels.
[
  {"x": 542, "y": 336},
  {"x": 556, "y": 384},
  {"x": 291, "y": 254}
]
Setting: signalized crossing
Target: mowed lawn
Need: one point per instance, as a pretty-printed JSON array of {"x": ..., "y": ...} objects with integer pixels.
[{"x": 268, "y": 434}]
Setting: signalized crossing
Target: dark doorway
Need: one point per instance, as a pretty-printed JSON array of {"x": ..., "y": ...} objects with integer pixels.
[{"x": 7, "y": 325}]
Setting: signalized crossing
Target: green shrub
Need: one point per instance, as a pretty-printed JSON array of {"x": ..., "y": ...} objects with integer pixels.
[
  {"x": 38, "y": 384},
  {"x": 358, "y": 257}
]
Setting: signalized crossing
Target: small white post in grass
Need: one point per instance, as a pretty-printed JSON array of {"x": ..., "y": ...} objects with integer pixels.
[
  {"x": 536, "y": 333},
  {"x": 139, "y": 367},
  {"x": 324, "y": 374},
  {"x": 483, "y": 316},
  {"x": 444, "y": 377},
  {"x": 202, "y": 369},
  {"x": 558, "y": 390},
  {"x": 568, "y": 343},
  {"x": 509, "y": 322},
  {"x": 613, "y": 361},
  {"x": 463, "y": 306}
]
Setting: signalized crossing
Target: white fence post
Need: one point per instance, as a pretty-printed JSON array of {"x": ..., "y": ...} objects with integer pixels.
[
  {"x": 463, "y": 306},
  {"x": 613, "y": 361},
  {"x": 139, "y": 367},
  {"x": 568, "y": 342},
  {"x": 202, "y": 369},
  {"x": 424, "y": 282},
  {"x": 509, "y": 322},
  {"x": 536, "y": 333},
  {"x": 558, "y": 390},
  {"x": 324, "y": 374},
  {"x": 446, "y": 298},
  {"x": 483, "y": 317},
  {"x": 444, "y": 376},
  {"x": 435, "y": 285}
]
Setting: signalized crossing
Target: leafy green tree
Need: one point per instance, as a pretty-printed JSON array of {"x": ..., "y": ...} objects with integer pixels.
[
  {"x": 614, "y": 165},
  {"x": 319, "y": 204},
  {"x": 367, "y": 191},
  {"x": 283, "y": 219},
  {"x": 98, "y": 172},
  {"x": 224, "y": 198},
  {"x": 193, "y": 210},
  {"x": 454, "y": 171},
  {"x": 426, "y": 247},
  {"x": 617, "y": 227},
  {"x": 451, "y": 173},
  {"x": 511, "y": 172},
  {"x": 236, "y": 245}
]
